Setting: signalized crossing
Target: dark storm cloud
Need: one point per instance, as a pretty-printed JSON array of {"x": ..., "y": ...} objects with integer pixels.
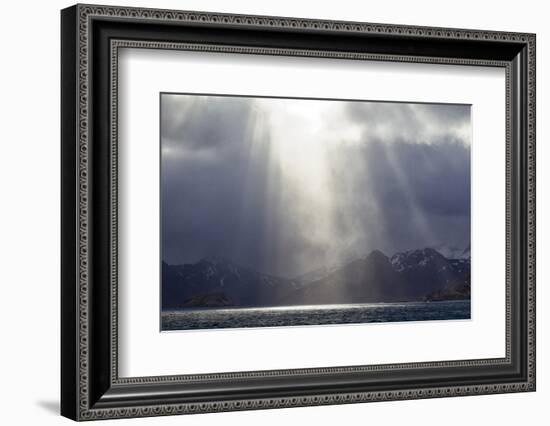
[
  {"x": 435, "y": 176},
  {"x": 201, "y": 123},
  {"x": 208, "y": 206},
  {"x": 409, "y": 122},
  {"x": 403, "y": 184},
  {"x": 424, "y": 192},
  {"x": 407, "y": 195}
]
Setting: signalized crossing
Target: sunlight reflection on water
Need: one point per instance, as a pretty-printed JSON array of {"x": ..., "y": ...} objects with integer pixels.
[{"x": 315, "y": 315}]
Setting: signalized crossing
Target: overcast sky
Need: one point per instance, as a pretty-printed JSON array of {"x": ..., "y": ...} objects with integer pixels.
[{"x": 289, "y": 185}]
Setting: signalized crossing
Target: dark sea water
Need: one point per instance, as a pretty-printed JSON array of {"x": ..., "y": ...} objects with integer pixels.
[{"x": 314, "y": 315}]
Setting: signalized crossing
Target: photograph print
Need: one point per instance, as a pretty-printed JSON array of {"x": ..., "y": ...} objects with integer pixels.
[{"x": 296, "y": 211}]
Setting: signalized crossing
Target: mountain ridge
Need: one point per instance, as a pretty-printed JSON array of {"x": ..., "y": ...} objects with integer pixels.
[{"x": 414, "y": 275}]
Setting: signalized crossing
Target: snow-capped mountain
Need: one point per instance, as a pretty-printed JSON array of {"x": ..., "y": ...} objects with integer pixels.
[
  {"x": 427, "y": 271},
  {"x": 423, "y": 274},
  {"x": 453, "y": 252},
  {"x": 194, "y": 285}
]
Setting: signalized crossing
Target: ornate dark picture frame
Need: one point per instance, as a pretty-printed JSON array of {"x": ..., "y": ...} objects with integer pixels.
[{"x": 90, "y": 385}]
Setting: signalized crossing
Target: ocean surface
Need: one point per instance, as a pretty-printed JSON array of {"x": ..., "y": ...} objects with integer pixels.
[{"x": 314, "y": 315}]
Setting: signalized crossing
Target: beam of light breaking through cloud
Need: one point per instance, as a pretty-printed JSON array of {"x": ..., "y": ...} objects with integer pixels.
[{"x": 289, "y": 185}]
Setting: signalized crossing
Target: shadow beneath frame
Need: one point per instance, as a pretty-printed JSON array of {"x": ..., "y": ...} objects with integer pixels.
[{"x": 51, "y": 407}]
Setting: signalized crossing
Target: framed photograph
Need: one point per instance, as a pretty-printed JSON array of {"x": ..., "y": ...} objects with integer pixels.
[
  {"x": 274, "y": 211},
  {"x": 263, "y": 212}
]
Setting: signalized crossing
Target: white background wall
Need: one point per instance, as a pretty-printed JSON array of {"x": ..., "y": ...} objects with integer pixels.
[{"x": 29, "y": 211}]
